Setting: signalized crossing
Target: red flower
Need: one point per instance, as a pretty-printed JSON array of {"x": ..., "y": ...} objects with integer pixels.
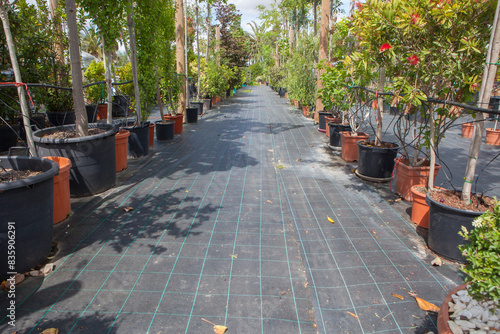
[
  {"x": 414, "y": 18},
  {"x": 385, "y": 47},
  {"x": 413, "y": 60},
  {"x": 359, "y": 5}
]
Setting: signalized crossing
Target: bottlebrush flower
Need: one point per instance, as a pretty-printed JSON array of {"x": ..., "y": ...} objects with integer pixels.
[
  {"x": 413, "y": 60},
  {"x": 359, "y": 5},
  {"x": 385, "y": 47},
  {"x": 414, "y": 18}
]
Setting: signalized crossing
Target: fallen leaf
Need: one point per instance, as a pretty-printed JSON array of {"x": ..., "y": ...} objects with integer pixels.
[
  {"x": 48, "y": 268},
  {"x": 437, "y": 262},
  {"x": 187, "y": 191},
  {"x": 270, "y": 202},
  {"x": 307, "y": 231},
  {"x": 128, "y": 208},
  {"x": 18, "y": 278},
  {"x": 50, "y": 331},
  {"x": 397, "y": 296},
  {"x": 234, "y": 256},
  {"x": 423, "y": 304},
  {"x": 397, "y": 200},
  {"x": 353, "y": 170},
  {"x": 299, "y": 160},
  {"x": 312, "y": 145},
  {"x": 330, "y": 220},
  {"x": 218, "y": 329},
  {"x": 352, "y": 314}
]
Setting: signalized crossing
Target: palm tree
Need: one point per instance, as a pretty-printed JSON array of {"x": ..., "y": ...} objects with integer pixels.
[{"x": 91, "y": 41}]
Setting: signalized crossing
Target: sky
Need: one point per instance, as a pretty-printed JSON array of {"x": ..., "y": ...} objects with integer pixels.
[{"x": 249, "y": 12}]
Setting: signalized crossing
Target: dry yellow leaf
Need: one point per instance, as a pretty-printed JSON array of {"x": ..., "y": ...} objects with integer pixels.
[
  {"x": 50, "y": 331},
  {"x": 424, "y": 305},
  {"x": 269, "y": 201},
  {"x": 397, "y": 296},
  {"x": 352, "y": 314},
  {"x": 330, "y": 220},
  {"x": 218, "y": 329}
]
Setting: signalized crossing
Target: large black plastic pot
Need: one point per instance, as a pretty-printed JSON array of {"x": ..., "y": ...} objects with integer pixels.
[
  {"x": 8, "y": 136},
  {"x": 58, "y": 118},
  {"x": 444, "y": 224},
  {"x": 376, "y": 162},
  {"x": 322, "y": 122},
  {"x": 138, "y": 142},
  {"x": 26, "y": 214},
  {"x": 93, "y": 158},
  {"x": 164, "y": 131},
  {"x": 192, "y": 115},
  {"x": 335, "y": 129},
  {"x": 198, "y": 105},
  {"x": 91, "y": 110},
  {"x": 121, "y": 105}
]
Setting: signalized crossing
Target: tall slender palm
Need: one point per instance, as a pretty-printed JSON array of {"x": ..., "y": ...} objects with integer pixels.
[{"x": 91, "y": 41}]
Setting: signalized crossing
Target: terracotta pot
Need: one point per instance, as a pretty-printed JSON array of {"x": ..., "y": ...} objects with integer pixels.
[
  {"x": 329, "y": 119},
  {"x": 296, "y": 103},
  {"x": 305, "y": 111},
  {"x": 444, "y": 314},
  {"x": 350, "y": 146},
  {"x": 408, "y": 176},
  {"x": 151, "y": 134},
  {"x": 492, "y": 136},
  {"x": 178, "y": 122},
  {"x": 467, "y": 129},
  {"x": 62, "y": 202},
  {"x": 121, "y": 143},
  {"x": 286, "y": 95},
  {"x": 102, "y": 111}
]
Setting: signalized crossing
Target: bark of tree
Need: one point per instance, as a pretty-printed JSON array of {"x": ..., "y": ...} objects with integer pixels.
[
  {"x": 198, "y": 51},
  {"x": 490, "y": 71},
  {"x": 4, "y": 16},
  {"x": 133, "y": 56},
  {"x": 180, "y": 57},
  {"x": 217, "y": 44},
  {"x": 76, "y": 70},
  {"x": 323, "y": 46},
  {"x": 380, "y": 108}
]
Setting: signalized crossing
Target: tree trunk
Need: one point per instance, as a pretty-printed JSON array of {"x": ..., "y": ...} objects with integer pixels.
[
  {"x": 180, "y": 57},
  {"x": 380, "y": 108},
  {"x": 208, "y": 31},
  {"x": 133, "y": 56},
  {"x": 290, "y": 40},
  {"x": 315, "y": 12},
  {"x": 198, "y": 50},
  {"x": 53, "y": 4},
  {"x": 76, "y": 70},
  {"x": 4, "y": 16},
  {"x": 158, "y": 96},
  {"x": 432, "y": 137},
  {"x": 108, "y": 75},
  {"x": 323, "y": 47},
  {"x": 490, "y": 71},
  {"x": 217, "y": 44}
]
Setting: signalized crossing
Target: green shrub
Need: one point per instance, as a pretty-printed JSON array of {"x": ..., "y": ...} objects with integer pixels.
[
  {"x": 95, "y": 73},
  {"x": 483, "y": 255}
]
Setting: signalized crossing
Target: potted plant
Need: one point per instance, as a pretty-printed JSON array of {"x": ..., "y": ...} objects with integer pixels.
[
  {"x": 123, "y": 101},
  {"x": 95, "y": 93},
  {"x": 480, "y": 296},
  {"x": 349, "y": 139},
  {"x": 59, "y": 107},
  {"x": 27, "y": 180},
  {"x": 493, "y": 134}
]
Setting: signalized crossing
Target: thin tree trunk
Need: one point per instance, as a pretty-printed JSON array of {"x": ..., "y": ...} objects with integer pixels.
[
  {"x": 158, "y": 96},
  {"x": 108, "y": 75},
  {"x": 180, "y": 57},
  {"x": 133, "y": 56},
  {"x": 380, "y": 108},
  {"x": 208, "y": 31},
  {"x": 490, "y": 71},
  {"x": 432, "y": 136},
  {"x": 290, "y": 40},
  {"x": 323, "y": 47},
  {"x": 76, "y": 70},
  {"x": 198, "y": 50},
  {"x": 186, "y": 64},
  {"x": 4, "y": 16},
  {"x": 217, "y": 44},
  {"x": 315, "y": 12},
  {"x": 125, "y": 46}
]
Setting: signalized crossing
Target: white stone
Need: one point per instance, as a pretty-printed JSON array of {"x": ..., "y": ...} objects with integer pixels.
[
  {"x": 465, "y": 324},
  {"x": 462, "y": 292},
  {"x": 459, "y": 306},
  {"x": 476, "y": 311},
  {"x": 465, "y": 314},
  {"x": 465, "y": 299},
  {"x": 494, "y": 318},
  {"x": 485, "y": 316},
  {"x": 456, "y": 329}
]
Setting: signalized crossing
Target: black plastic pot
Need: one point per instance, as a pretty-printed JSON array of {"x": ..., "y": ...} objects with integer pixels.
[
  {"x": 28, "y": 204},
  {"x": 93, "y": 158},
  {"x": 138, "y": 142},
  {"x": 322, "y": 122},
  {"x": 192, "y": 115},
  {"x": 121, "y": 105},
  {"x": 335, "y": 129},
  {"x": 164, "y": 131},
  {"x": 91, "y": 110},
  {"x": 228, "y": 93},
  {"x": 58, "y": 118},
  {"x": 8, "y": 136},
  {"x": 494, "y": 105},
  {"x": 198, "y": 105},
  {"x": 444, "y": 224},
  {"x": 37, "y": 122},
  {"x": 376, "y": 162},
  {"x": 207, "y": 104}
]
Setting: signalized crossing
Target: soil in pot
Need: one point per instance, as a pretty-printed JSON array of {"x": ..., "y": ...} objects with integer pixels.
[
  {"x": 376, "y": 162},
  {"x": 8, "y": 136},
  {"x": 28, "y": 203},
  {"x": 408, "y": 176},
  {"x": 492, "y": 136},
  {"x": 445, "y": 221},
  {"x": 165, "y": 131}
]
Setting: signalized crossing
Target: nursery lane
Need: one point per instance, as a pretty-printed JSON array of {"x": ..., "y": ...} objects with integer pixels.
[{"x": 229, "y": 223}]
